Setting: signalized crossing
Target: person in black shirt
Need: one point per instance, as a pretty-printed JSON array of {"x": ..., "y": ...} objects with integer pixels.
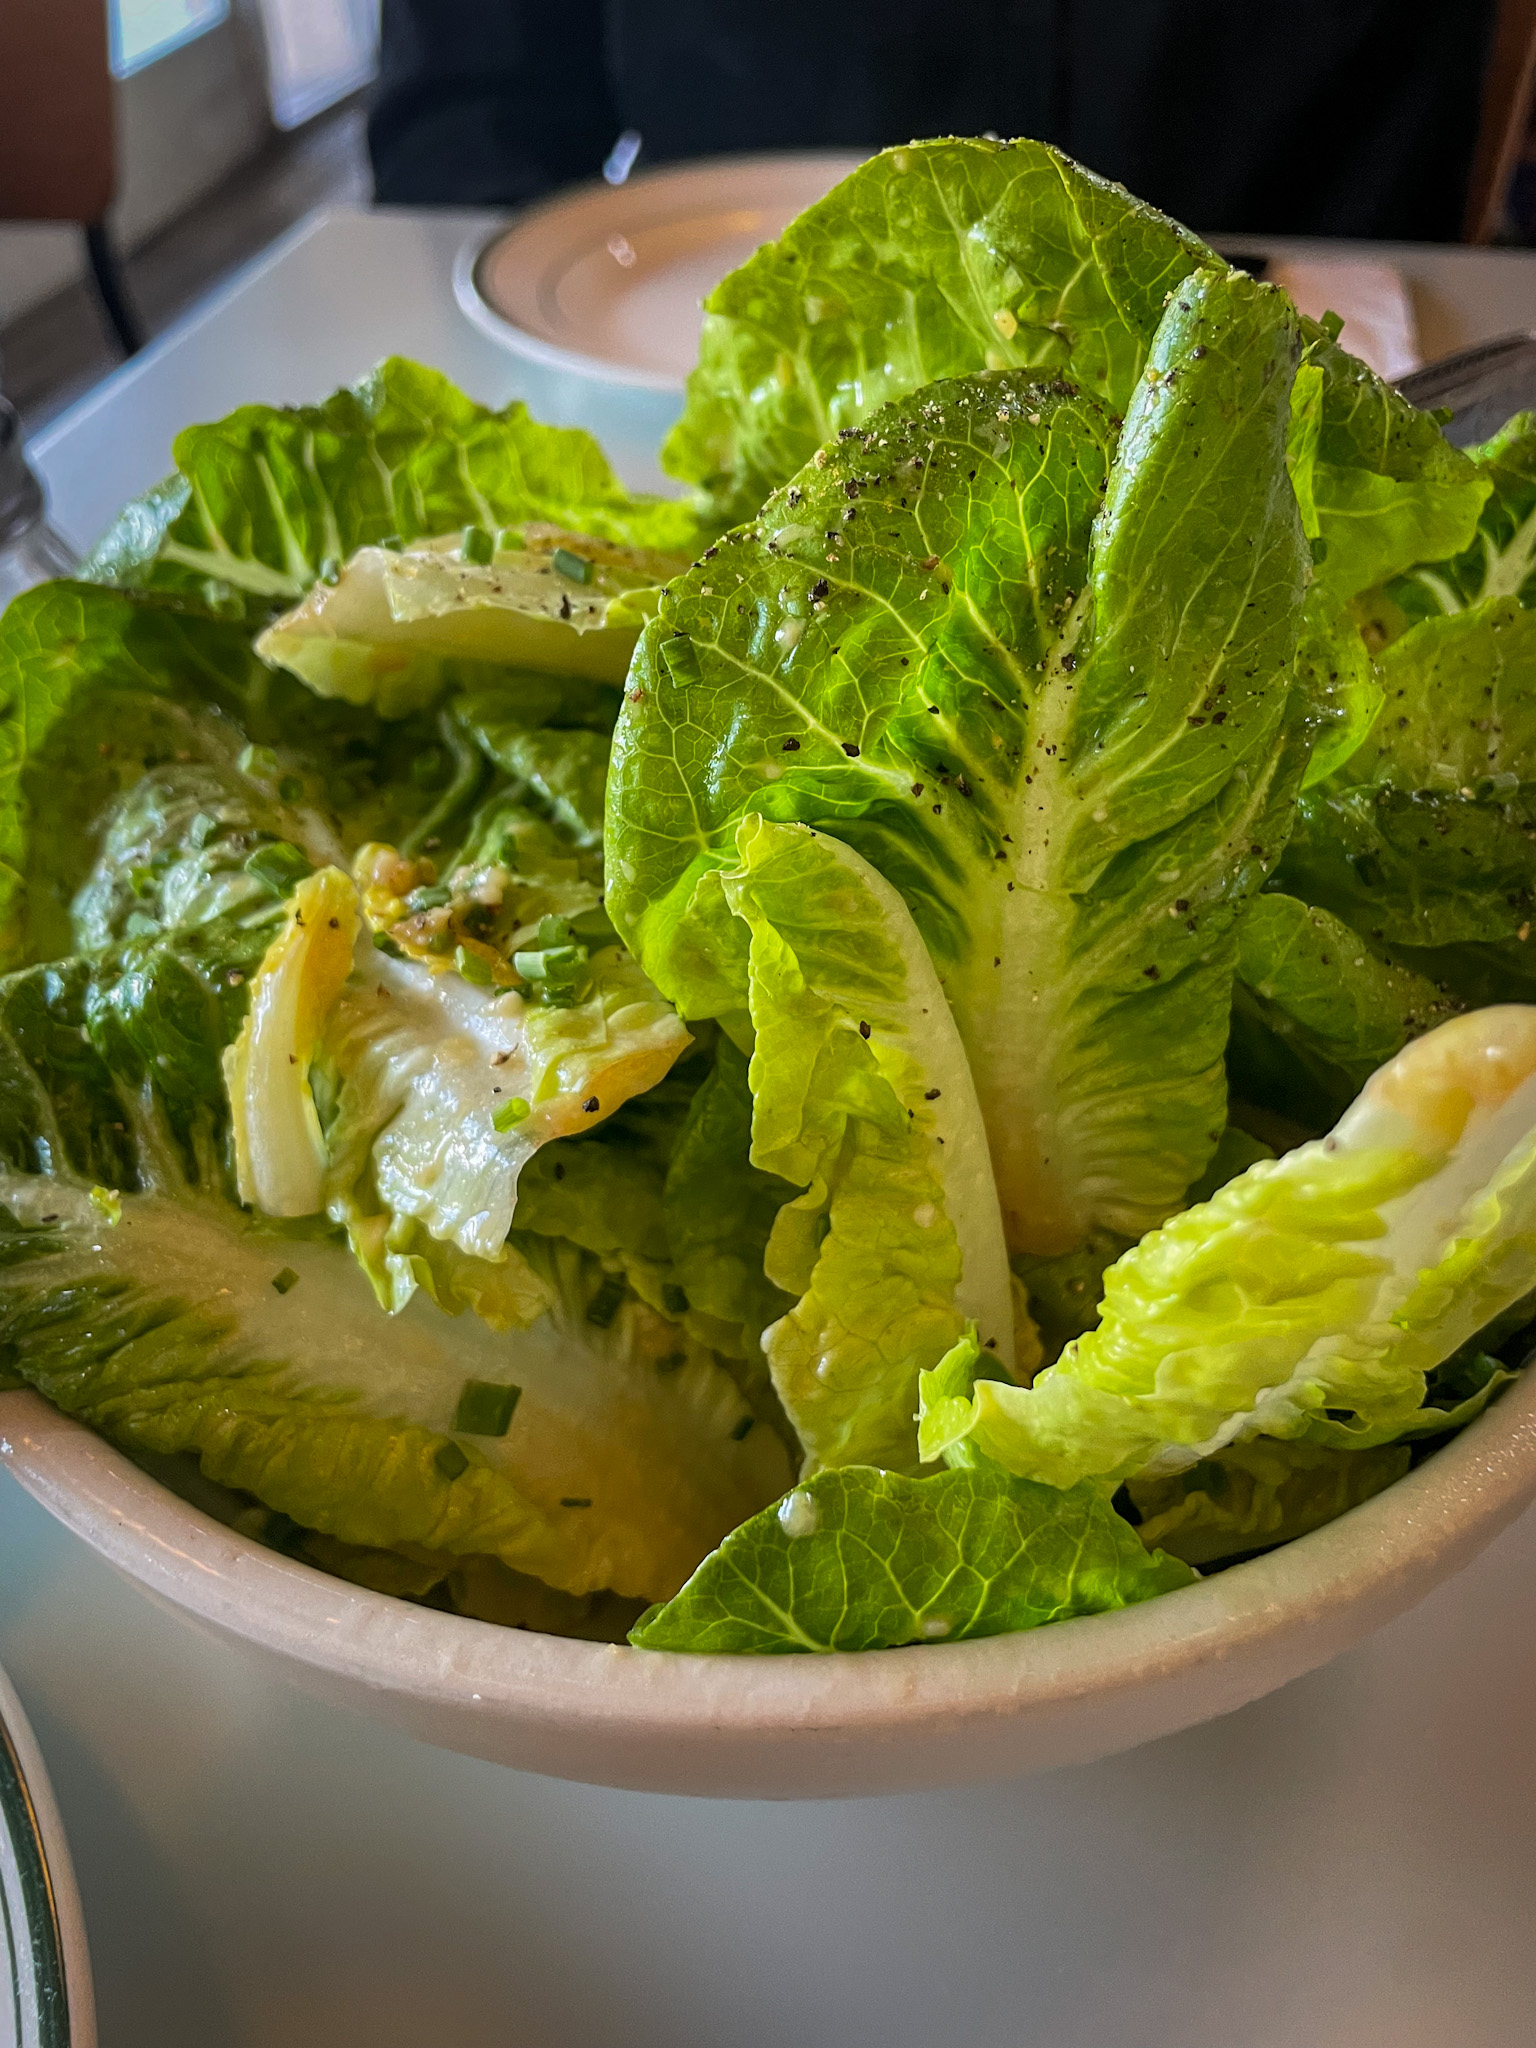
[{"x": 1324, "y": 117}]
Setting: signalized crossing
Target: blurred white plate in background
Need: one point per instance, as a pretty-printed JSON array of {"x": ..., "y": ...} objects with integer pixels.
[
  {"x": 607, "y": 281},
  {"x": 1370, "y": 297}
]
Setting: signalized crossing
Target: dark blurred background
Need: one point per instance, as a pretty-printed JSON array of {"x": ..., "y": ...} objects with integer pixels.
[
  {"x": 149, "y": 147},
  {"x": 1318, "y": 117}
]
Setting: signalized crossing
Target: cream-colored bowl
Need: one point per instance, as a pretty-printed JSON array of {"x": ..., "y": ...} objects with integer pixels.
[{"x": 794, "y": 1726}]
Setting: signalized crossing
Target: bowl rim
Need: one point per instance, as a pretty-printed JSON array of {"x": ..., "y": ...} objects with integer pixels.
[
  {"x": 572, "y": 201},
  {"x": 1381, "y": 1556}
]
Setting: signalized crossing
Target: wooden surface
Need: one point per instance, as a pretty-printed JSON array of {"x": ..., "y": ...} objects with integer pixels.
[
  {"x": 1505, "y": 119},
  {"x": 57, "y": 158}
]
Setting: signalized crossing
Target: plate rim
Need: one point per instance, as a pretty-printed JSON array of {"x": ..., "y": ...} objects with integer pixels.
[
  {"x": 53, "y": 1924},
  {"x": 552, "y": 355}
]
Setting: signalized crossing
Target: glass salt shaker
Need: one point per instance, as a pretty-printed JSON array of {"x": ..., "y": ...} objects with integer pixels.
[{"x": 30, "y": 551}]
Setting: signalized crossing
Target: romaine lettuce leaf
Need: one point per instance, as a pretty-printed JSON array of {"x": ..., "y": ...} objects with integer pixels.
[
  {"x": 442, "y": 1087},
  {"x": 183, "y": 1330},
  {"x": 860, "y": 1559},
  {"x": 146, "y": 756},
  {"x": 1337, "y": 683},
  {"x": 1379, "y": 486},
  {"x": 1321, "y": 1286},
  {"x": 929, "y": 261},
  {"x": 718, "y": 1212},
  {"x": 394, "y": 626},
  {"x": 280, "y": 1149},
  {"x": 1501, "y": 560},
  {"x": 270, "y": 497},
  {"x": 940, "y": 259},
  {"x": 1426, "y": 836},
  {"x": 1059, "y": 732},
  {"x": 1255, "y": 1495},
  {"x": 167, "y": 1318},
  {"x": 1318, "y": 1009},
  {"x": 863, "y": 1098}
]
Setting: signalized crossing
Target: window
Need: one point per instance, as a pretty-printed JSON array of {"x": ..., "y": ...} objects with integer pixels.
[
  {"x": 317, "y": 52},
  {"x": 143, "y": 30}
]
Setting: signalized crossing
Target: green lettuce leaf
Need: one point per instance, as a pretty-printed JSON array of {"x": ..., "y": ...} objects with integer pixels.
[
  {"x": 1322, "y": 1286},
  {"x": 394, "y": 626},
  {"x": 268, "y": 498},
  {"x": 1318, "y": 1010},
  {"x": 719, "y": 1212},
  {"x": 1064, "y": 747},
  {"x": 1426, "y": 837},
  {"x": 929, "y": 261},
  {"x": 940, "y": 259},
  {"x": 146, "y": 756},
  {"x": 861, "y": 1096},
  {"x": 157, "y": 1311},
  {"x": 1256, "y": 1495},
  {"x": 860, "y": 1559},
  {"x": 1379, "y": 486},
  {"x": 1337, "y": 683},
  {"x": 1501, "y": 560}
]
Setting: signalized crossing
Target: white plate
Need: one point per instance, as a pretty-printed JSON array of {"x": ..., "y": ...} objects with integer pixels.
[
  {"x": 607, "y": 281},
  {"x": 45, "y": 1994}
]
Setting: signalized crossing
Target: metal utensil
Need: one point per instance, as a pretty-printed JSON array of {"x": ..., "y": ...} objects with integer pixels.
[{"x": 1479, "y": 386}]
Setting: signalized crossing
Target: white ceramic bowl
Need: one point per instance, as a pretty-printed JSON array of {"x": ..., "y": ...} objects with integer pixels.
[{"x": 794, "y": 1726}]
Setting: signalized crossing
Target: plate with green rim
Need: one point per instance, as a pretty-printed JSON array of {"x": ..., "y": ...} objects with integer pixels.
[{"x": 46, "y": 1999}]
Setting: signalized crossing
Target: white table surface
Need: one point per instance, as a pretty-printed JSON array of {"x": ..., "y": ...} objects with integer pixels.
[{"x": 1350, "y": 1863}]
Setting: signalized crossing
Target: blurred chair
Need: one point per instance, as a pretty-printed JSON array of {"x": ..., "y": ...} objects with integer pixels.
[
  {"x": 1506, "y": 116},
  {"x": 57, "y": 133}
]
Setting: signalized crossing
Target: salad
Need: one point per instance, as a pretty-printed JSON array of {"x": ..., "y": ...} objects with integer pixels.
[{"x": 928, "y": 1039}]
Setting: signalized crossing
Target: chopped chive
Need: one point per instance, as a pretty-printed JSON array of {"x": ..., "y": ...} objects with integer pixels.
[
  {"x": 509, "y": 540},
  {"x": 1332, "y": 325},
  {"x": 674, "y": 1300},
  {"x": 486, "y": 1409},
  {"x": 290, "y": 789},
  {"x": 575, "y": 566},
  {"x": 254, "y": 760},
  {"x": 449, "y": 1460},
  {"x": 473, "y": 967},
  {"x": 330, "y": 571},
  {"x": 285, "y": 1280},
  {"x": 511, "y": 1113},
  {"x": 575, "y": 1500},
  {"x": 386, "y": 944},
  {"x": 431, "y": 897},
  {"x": 477, "y": 546},
  {"x": 605, "y": 1304},
  {"x": 743, "y": 1428},
  {"x": 280, "y": 864}
]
